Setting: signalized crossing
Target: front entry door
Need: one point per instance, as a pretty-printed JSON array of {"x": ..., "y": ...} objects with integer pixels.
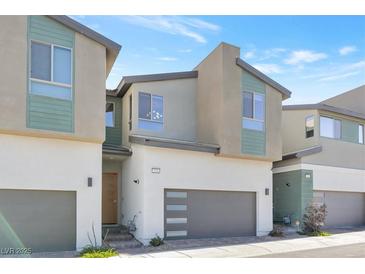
[{"x": 110, "y": 198}]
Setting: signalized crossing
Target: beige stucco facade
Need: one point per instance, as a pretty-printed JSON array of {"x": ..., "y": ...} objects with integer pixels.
[
  {"x": 179, "y": 106},
  {"x": 89, "y": 86},
  {"x": 219, "y": 106}
]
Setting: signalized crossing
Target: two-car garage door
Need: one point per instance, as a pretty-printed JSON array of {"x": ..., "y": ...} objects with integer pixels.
[
  {"x": 344, "y": 208},
  {"x": 202, "y": 213},
  {"x": 41, "y": 220}
]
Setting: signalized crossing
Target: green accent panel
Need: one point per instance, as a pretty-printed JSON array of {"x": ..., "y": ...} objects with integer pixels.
[
  {"x": 114, "y": 134},
  {"x": 44, "y": 29},
  {"x": 46, "y": 112},
  {"x": 292, "y": 193},
  {"x": 251, "y": 83},
  {"x": 253, "y": 142},
  {"x": 50, "y": 113},
  {"x": 350, "y": 131},
  {"x": 307, "y": 189}
]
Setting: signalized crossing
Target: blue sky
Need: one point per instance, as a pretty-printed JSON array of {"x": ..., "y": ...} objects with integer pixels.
[{"x": 315, "y": 57}]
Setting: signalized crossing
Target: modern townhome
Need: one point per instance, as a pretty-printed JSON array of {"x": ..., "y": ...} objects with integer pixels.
[
  {"x": 52, "y": 113},
  {"x": 189, "y": 154},
  {"x": 324, "y": 160}
]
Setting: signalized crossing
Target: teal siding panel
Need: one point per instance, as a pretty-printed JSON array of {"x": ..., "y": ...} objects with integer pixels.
[
  {"x": 293, "y": 192},
  {"x": 287, "y": 195},
  {"x": 253, "y": 142},
  {"x": 42, "y": 116},
  {"x": 113, "y": 135},
  {"x": 350, "y": 131},
  {"x": 47, "y": 30},
  {"x": 306, "y": 189},
  {"x": 46, "y": 112},
  {"x": 251, "y": 83}
]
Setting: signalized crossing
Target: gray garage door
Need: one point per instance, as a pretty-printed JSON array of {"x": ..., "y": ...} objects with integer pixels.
[
  {"x": 200, "y": 213},
  {"x": 41, "y": 220},
  {"x": 344, "y": 208}
]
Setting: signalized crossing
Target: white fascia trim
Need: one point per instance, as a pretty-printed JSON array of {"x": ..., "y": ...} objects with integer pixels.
[{"x": 313, "y": 167}]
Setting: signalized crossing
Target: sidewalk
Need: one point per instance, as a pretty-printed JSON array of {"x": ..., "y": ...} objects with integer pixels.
[{"x": 246, "y": 246}]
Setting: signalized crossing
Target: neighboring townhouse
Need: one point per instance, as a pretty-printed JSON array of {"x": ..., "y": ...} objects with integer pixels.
[
  {"x": 189, "y": 154},
  {"x": 52, "y": 111},
  {"x": 323, "y": 160}
]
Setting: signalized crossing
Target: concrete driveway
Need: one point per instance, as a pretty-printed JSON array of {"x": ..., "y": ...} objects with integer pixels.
[{"x": 247, "y": 246}]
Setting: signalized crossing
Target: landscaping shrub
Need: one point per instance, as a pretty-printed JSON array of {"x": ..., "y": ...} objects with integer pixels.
[
  {"x": 313, "y": 220},
  {"x": 277, "y": 231},
  {"x": 156, "y": 241},
  {"x": 98, "y": 252}
]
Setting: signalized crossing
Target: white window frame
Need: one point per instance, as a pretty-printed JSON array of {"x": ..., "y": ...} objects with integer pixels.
[
  {"x": 334, "y": 119},
  {"x": 253, "y": 107},
  {"x": 163, "y": 108},
  {"x": 113, "y": 103},
  {"x": 361, "y": 142},
  {"x": 46, "y": 81},
  {"x": 305, "y": 125}
]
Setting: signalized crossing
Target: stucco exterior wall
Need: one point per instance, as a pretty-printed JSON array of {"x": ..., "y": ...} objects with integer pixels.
[
  {"x": 188, "y": 170},
  {"x": 179, "y": 103},
  {"x": 219, "y": 106},
  {"x": 327, "y": 178},
  {"x": 351, "y": 100},
  {"x": 89, "y": 84},
  {"x": 293, "y": 130},
  {"x": 47, "y": 164}
]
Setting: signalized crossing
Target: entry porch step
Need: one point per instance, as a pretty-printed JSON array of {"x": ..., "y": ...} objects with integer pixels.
[
  {"x": 118, "y": 237},
  {"x": 124, "y": 244}
]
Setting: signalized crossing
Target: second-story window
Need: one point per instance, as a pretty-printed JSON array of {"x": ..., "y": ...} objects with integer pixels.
[
  {"x": 109, "y": 115},
  {"x": 361, "y": 134},
  {"x": 253, "y": 111},
  {"x": 309, "y": 126},
  {"x": 51, "y": 70},
  {"x": 330, "y": 128},
  {"x": 150, "y": 111}
]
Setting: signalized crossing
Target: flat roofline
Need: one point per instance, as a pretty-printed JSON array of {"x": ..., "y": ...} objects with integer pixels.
[
  {"x": 127, "y": 81},
  {"x": 284, "y": 91},
  {"x": 112, "y": 48},
  {"x": 325, "y": 107},
  {"x": 301, "y": 153},
  {"x": 174, "y": 144}
]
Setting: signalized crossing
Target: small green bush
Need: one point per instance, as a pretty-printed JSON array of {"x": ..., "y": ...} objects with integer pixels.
[
  {"x": 98, "y": 252},
  {"x": 277, "y": 231},
  {"x": 156, "y": 241},
  {"x": 319, "y": 234}
]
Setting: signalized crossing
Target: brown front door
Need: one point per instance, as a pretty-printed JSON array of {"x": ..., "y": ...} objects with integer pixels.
[{"x": 110, "y": 198}]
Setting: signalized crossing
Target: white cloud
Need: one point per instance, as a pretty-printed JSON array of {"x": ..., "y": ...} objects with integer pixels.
[
  {"x": 347, "y": 50},
  {"x": 304, "y": 56},
  {"x": 175, "y": 25},
  {"x": 336, "y": 72},
  {"x": 249, "y": 54},
  {"x": 185, "y": 50},
  {"x": 167, "y": 59},
  {"x": 339, "y": 76},
  {"x": 268, "y": 68}
]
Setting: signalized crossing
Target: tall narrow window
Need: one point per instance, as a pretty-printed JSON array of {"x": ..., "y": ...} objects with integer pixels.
[
  {"x": 361, "y": 134},
  {"x": 130, "y": 112},
  {"x": 330, "y": 127},
  {"x": 309, "y": 126},
  {"x": 253, "y": 111},
  {"x": 51, "y": 71},
  {"x": 150, "y": 111},
  {"x": 109, "y": 115}
]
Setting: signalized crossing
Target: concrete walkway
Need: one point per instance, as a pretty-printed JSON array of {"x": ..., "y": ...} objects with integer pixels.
[{"x": 246, "y": 246}]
